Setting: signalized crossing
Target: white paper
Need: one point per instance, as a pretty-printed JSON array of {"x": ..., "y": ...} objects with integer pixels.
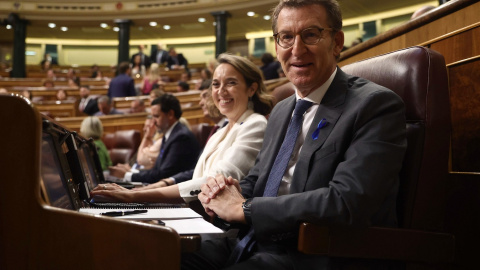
[
  {"x": 192, "y": 226},
  {"x": 163, "y": 214}
]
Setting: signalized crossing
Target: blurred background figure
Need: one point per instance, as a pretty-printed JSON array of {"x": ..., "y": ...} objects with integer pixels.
[
  {"x": 137, "y": 106},
  {"x": 92, "y": 127},
  {"x": 61, "y": 95},
  {"x": 270, "y": 66},
  {"x": 183, "y": 86},
  {"x": 88, "y": 104},
  {"x": 151, "y": 79},
  {"x": 176, "y": 60},
  {"x": 419, "y": 12},
  {"x": 105, "y": 107}
]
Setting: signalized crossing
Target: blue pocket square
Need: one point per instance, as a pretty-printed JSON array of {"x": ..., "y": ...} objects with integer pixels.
[{"x": 321, "y": 124}]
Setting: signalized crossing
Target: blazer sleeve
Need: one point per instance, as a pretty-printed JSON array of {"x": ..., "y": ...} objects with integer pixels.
[{"x": 237, "y": 159}]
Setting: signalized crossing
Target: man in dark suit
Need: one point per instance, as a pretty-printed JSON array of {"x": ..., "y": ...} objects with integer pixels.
[
  {"x": 176, "y": 60},
  {"x": 220, "y": 122},
  {"x": 144, "y": 59},
  {"x": 159, "y": 56},
  {"x": 88, "y": 104},
  {"x": 331, "y": 174},
  {"x": 179, "y": 151},
  {"x": 122, "y": 85}
]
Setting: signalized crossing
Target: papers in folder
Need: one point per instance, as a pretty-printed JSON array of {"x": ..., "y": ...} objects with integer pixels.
[{"x": 183, "y": 220}]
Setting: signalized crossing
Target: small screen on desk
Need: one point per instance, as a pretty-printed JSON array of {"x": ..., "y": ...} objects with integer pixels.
[
  {"x": 88, "y": 166},
  {"x": 53, "y": 176}
]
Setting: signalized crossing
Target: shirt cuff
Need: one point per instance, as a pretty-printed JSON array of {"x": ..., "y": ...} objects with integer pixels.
[{"x": 128, "y": 177}]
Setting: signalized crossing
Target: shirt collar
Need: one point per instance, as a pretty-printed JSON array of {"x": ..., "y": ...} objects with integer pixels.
[
  {"x": 317, "y": 95},
  {"x": 169, "y": 131}
]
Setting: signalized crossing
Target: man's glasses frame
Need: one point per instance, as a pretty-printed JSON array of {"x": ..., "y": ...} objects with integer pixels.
[{"x": 308, "y": 40}]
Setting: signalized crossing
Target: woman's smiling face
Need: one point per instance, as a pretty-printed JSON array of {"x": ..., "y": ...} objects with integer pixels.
[{"x": 230, "y": 92}]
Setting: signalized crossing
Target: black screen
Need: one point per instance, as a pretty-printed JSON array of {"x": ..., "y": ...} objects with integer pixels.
[{"x": 53, "y": 176}]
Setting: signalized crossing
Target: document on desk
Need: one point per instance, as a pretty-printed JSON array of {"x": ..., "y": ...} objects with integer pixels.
[
  {"x": 192, "y": 226},
  {"x": 163, "y": 214}
]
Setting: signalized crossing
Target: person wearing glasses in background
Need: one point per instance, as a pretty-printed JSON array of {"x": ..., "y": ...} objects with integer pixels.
[{"x": 320, "y": 158}]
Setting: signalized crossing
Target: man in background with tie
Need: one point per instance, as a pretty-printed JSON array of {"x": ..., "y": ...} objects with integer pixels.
[
  {"x": 332, "y": 153},
  {"x": 88, "y": 104},
  {"x": 160, "y": 56},
  {"x": 179, "y": 150}
]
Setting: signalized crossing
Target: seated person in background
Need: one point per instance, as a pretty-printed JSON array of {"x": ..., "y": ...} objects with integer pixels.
[
  {"x": 182, "y": 86},
  {"x": 210, "y": 112},
  {"x": 48, "y": 83},
  {"x": 186, "y": 76},
  {"x": 270, "y": 67},
  {"x": 51, "y": 75},
  {"x": 179, "y": 150},
  {"x": 138, "y": 70},
  {"x": 105, "y": 107},
  {"x": 94, "y": 69},
  {"x": 137, "y": 106},
  {"x": 122, "y": 85},
  {"x": 205, "y": 79},
  {"x": 61, "y": 95},
  {"x": 239, "y": 93},
  {"x": 88, "y": 104},
  {"x": 27, "y": 94},
  {"x": 151, "y": 79},
  {"x": 92, "y": 127},
  {"x": 176, "y": 61}
]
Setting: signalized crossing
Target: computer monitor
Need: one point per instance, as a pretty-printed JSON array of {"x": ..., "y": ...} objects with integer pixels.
[{"x": 56, "y": 178}]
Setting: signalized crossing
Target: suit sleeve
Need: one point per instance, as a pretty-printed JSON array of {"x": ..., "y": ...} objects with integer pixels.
[{"x": 363, "y": 154}]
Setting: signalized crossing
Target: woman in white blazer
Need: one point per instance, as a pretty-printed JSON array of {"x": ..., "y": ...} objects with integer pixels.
[{"x": 238, "y": 92}]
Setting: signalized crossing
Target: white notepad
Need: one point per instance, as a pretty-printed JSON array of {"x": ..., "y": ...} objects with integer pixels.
[{"x": 167, "y": 213}]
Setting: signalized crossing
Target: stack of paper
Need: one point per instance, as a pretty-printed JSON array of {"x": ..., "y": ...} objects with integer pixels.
[{"x": 183, "y": 220}]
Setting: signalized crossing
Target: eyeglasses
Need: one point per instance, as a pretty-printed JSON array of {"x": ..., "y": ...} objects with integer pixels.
[{"x": 309, "y": 36}]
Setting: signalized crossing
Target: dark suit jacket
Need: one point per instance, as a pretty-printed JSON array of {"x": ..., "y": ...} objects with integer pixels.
[
  {"x": 146, "y": 60},
  {"x": 180, "y": 153},
  {"x": 348, "y": 176},
  {"x": 181, "y": 61},
  {"x": 121, "y": 86},
  {"x": 183, "y": 176},
  {"x": 92, "y": 107},
  {"x": 163, "y": 59}
]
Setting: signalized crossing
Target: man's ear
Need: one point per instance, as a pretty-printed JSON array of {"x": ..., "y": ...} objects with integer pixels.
[{"x": 338, "y": 39}]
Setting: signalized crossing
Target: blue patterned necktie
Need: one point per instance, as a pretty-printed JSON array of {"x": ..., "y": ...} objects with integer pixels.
[{"x": 245, "y": 245}]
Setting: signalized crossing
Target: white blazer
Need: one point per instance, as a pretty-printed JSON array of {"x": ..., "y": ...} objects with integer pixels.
[{"x": 230, "y": 153}]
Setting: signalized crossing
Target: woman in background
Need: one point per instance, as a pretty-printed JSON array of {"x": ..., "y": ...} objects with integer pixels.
[
  {"x": 92, "y": 127},
  {"x": 151, "y": 79}
]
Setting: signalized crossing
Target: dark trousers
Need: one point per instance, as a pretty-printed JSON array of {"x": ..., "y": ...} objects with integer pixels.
[{"x": 215, "y": 253}]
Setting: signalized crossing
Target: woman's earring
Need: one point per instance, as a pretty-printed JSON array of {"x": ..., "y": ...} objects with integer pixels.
[{"x": 250, "y": 105}]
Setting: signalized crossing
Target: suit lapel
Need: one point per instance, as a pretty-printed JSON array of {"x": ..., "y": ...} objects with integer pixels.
[{"x": 329, "y": 109}]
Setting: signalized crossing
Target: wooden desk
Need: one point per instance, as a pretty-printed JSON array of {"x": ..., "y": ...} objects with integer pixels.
[{"x": 37, "y": 236}]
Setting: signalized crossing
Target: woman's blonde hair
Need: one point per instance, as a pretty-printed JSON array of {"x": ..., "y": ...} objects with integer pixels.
[
  {"x": 154, "y": 72},
  {"x": 262, "y": 101},
  {"x": 91, "y": 127}
]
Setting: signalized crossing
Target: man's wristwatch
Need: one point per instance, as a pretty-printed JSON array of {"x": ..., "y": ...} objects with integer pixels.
[{"x": 246, "y": 210}]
